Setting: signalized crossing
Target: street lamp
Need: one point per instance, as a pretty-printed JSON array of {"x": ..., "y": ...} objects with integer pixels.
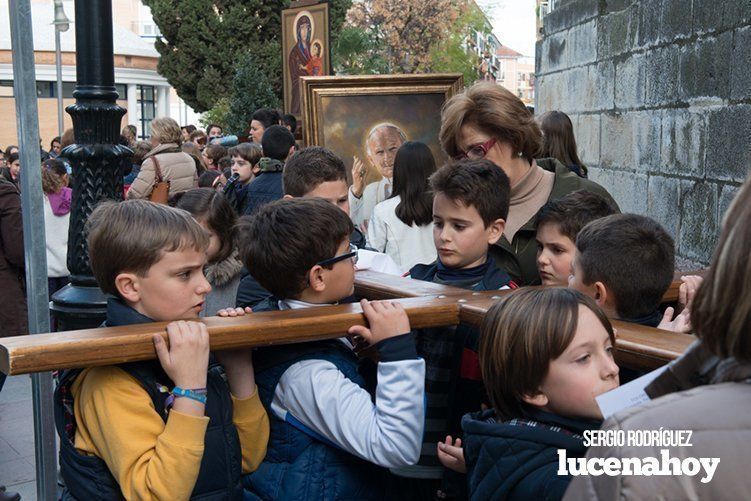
[
  {"x": 61, "y": 23},
  {"x": 97, "y": 157}
]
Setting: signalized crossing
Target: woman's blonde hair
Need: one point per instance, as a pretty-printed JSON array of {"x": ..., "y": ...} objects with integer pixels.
[
  {"x": 721, "y": 315},
  {"x": 165, "y": 130},
  {"x": 521, "y": 335},
  {"x": 497, "y": 112}
]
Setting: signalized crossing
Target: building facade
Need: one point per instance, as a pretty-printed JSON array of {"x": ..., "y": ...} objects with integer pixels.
[
  {"x": 516, "y": 73},
  {"x": 142, "y": 91}
]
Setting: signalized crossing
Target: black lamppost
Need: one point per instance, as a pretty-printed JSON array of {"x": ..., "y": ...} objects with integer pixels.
[{"x": 97, "y": 158}]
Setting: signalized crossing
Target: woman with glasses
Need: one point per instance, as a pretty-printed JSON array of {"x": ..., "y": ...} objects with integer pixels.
[{"x": 488, "y": 121}]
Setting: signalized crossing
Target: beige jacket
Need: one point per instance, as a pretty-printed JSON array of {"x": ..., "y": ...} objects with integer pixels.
[
  {"x": 177, "y": 167},
  {"x": 708, "y": 396}
]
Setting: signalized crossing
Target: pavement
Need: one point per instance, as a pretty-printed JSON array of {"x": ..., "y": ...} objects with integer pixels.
[{"x": 17, "y": 471}]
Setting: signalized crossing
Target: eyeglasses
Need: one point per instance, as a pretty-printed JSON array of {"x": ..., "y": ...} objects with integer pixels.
[
  {"x": 352, "y": 254},
  {"x": 476, "y": 151}
]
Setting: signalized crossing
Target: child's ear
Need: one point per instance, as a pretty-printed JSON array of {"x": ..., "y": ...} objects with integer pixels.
[
  {"x": 495, "y": 230},
  {"x": 539, "y": 399},
  {"x": 288, "y": 196},
  {"x": 316, "y": 279},
  {"x": 128, "y": 286},
  {"x": 601, "y": 294}
]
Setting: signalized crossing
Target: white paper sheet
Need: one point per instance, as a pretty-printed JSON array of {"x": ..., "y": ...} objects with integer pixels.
[
  {"x": 628, "y": 395},
  {"x": 376, "y": 261}
]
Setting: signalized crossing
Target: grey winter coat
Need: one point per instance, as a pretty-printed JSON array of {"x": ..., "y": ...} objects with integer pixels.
[
  {"x": 701, "y": 393},
  {"x": 224, "y": 278}
]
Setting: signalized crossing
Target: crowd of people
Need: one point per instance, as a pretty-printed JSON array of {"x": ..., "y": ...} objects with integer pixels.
[{"x": 386, "y": 411}]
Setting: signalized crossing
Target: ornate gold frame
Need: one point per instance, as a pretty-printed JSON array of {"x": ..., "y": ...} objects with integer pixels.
[{"x": 315, "y": 88}]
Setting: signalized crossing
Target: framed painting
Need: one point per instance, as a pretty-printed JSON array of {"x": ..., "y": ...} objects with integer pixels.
[
  {"x": 351, "y": 114},
  {"x": 305, "y": 48}
]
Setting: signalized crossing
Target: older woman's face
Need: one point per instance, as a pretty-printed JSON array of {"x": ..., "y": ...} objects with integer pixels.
[{"x": 471, "y": 136}]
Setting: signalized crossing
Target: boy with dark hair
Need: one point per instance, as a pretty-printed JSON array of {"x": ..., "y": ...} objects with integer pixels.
[
  {"x": 290, "y": 122},
  {"x": 327, "y": 434},
  {"x": 278, "y": 143},
  {"x": 470, "y": 206},
  {"x": 557, "y": 224},
  {"x": 166, "y": 428},
  {"x": 245, "y": 158},
  {"x": 624, "y": 262},
  {"x": 212, "y": 154},
  {"x": 319, "y": 172}
]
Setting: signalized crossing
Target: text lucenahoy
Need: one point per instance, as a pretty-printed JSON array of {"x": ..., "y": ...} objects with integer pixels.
[{"x": 646, "y": 466}]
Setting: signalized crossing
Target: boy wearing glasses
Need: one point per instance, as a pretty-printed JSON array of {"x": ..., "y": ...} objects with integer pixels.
[{"x": 329, "y": 440}]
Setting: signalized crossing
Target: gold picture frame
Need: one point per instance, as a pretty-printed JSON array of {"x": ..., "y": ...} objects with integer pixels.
[
  {"x": 312, "y": 56},
  {"x": 340, "y": 111}
]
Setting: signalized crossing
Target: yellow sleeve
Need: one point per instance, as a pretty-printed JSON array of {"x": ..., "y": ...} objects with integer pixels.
[
  {"x": 252, "y": 425},
  {"x": 117, "y": 422}
]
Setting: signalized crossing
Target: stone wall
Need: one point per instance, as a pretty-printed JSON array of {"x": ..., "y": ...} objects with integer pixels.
[{"x": 659, "y": 92}]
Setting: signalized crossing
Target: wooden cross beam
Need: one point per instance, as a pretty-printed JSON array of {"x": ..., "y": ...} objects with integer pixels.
[{"x": 427, "y": 305}]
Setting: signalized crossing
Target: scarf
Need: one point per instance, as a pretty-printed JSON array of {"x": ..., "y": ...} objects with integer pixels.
[
  {"x": 60, "y": 202},
  {"x": 459, "y": 278},
  {"x": 270, "y": 165}
]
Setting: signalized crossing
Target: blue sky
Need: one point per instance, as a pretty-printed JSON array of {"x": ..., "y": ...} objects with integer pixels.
[{"x": 513, "y": 22}]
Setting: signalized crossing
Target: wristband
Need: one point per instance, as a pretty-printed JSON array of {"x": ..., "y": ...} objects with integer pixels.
[{"x": 198, "y": 394}]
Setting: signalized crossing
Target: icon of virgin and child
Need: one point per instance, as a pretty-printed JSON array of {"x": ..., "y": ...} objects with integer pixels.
[{"x": 305, "y": 58}]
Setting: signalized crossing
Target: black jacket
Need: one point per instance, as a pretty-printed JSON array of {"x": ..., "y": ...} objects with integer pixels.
[
  {"x": 88, "y": 478},
  {"x": 518, "y": 460}
]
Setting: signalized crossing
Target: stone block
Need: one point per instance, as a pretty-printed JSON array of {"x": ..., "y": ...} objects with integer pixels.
[
  {"x": 628, "y": 189},
  {"x": 699, "y": 222},
  {"x": 663, "y": 201},
  {"x": 675, "y": 20},
  {"x": 616, "y": 5},
  {"x": 708, "y": 16},
  {"x": 630, "y": 82},
  {"x": 645, "y": 140},
  {"x": 705, "y": 68},
  {"x": 616, "y": 33},
  {"x": 570, "y": 14},
  {"x": 631, "y": 141},
  {"x": 736, "y": 13},
  {"x": 550, "y": 91},
  {"x": 538, "y": 57},
  {"x": 616, "y": 150},
  {"x": 650, "y": 20},
  {"x": 727, "y": 142},
  {"x": 662, "y": 75},
  {"x": 740, "y": 69},
  {"x": 578, "y": 94},
  {"x": 602, "y": 78},
  {"x": 587, "y": 135},
  {"x": 683, "y": 142},
  {"x": 554, "y": 53},
  {"x": 582, "y": 48}
]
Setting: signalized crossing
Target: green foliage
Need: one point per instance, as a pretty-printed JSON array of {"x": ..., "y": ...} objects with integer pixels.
[
  {"x": 253, "y": 88},
  {"x": 203, "y": 41},
  {"x": 357, "y": 52},
  {"x": 450, "y": 54},
  {"x": 218, "y": 114}
]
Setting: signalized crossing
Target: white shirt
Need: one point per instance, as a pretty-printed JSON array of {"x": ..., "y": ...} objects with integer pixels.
[
  {"x": 387, "y": 433},
  {"x": 360, "y": 209},
  {"x": 407, "y": 245},
  {"x": 56, "y": 236}
]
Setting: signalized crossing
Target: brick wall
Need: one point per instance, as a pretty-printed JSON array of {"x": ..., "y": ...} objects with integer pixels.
[{"x": 659, "y": 92}]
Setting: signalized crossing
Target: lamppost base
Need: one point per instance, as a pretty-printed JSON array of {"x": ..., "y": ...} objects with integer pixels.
[{"x": 78, "y": 307}]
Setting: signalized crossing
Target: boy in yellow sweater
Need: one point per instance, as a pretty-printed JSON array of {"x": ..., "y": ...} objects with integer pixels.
[{"x": 167, "y": 428}]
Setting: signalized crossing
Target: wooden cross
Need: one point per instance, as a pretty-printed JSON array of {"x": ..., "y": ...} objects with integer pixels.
[{"x": 427, "y": 305}]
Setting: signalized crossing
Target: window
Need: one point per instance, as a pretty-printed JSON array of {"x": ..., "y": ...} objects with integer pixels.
[{"x": 147, "y": 105}]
